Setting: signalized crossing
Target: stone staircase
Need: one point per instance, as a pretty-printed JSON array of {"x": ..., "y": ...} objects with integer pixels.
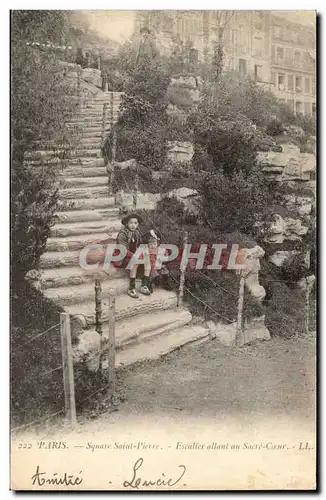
[{"x": 146, "y": 328}]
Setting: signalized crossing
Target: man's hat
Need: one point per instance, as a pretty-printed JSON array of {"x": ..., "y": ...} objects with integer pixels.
[
  {"x": 127, "y": 218},
  {"x": 144, "y": 29}
]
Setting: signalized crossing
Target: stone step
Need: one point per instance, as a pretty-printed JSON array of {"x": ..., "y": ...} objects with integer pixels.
[
  {"x": 89, "y": 120},
  {"x": 76, "y": 242},
  {"x": 132, "y": 331},
  {"x": 85, "y": 228},
  {"x": 125, "y": 307},
  {"x": 87, "y": 215},
  {"x": 61, "y": 164},
  {"x": 145, "y": 326},
  {"x": 89, "y": 141},
  {"x": 86, "y": 182},
  {"x": 71, "y": 154},
  {"x": 159, "y": 346},
  {"x": 56, "y": 260},
  {"x": 69, "y": 276},
  {"x": 88, "y": 204},
  {"x": 85, "y": 193},
  {"x": 77, "y": 294},
  {"x": 84, "y": 171}
]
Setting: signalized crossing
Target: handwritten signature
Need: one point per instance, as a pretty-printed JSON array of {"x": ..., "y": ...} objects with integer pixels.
[
  {"x": 66, "y": 479},
  {"x": 136, "y": 482},
  {"x": 42, "y": 479}
]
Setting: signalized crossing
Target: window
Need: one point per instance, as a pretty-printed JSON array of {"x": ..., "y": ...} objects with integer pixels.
[
  {"x": 291, "y": 83},
  {"x": 280, "y": 54},
  {"x": 258, "y": 20},
  {"x": 289, "y": 56},
  {"x": 297, "y": 57},
  {"x": 313, "y": 107},
  {"x": 242, "y": 66},
  {"x": 307, "y": 85},
  {"x": 278, "y": 32},
  {"x": 313, "y": 86},
  {"x": 258, "y": 46},
  {"x": 273, "y": 52},
  {"x": 298, "y": 84},
  {"x": 258, "y": 73},
  {"x": 307, "y": 108},
  {"x": 298, "y": 107},
  {"x": 281, "y": 81}
]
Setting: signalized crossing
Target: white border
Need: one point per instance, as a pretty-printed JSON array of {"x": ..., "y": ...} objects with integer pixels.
[{"x": 4, "y": 171}]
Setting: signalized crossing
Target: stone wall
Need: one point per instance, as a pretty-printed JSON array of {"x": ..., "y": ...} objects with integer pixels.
[{"x": 292, "y": 174}]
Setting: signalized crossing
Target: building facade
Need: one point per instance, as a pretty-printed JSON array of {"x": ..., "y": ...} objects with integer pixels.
[{"x": 278, "y": 54}]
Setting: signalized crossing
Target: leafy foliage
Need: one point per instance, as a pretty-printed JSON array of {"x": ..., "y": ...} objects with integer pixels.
[
  {"x": 41, "y": 105},
  {"x": 238, "y": 202}
]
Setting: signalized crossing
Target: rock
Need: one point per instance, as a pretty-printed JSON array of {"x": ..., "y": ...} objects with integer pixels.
[
  {"x": 307, "y": 282},
  {"x": 282, "y": 257},
  {"x": 93, "y": 76},
  {"x": 255, "y": 329},
  {"x": 294, "y": 131},
  {"x": 180, "y": 151},
  {"x": 189, "y": 197},
  {"x": 146, "y": 201},
  {"x": 251, "y": 271},
  {"x": 123, "y": 165},
  {"x": 294, "y": 229},
  {"x": 89, "y": 343},
  {"x": 285, "y": 229},
  {"x": 190, "y": 82},
  {"x": 289, "y": 165},
  {"x": 226, "y": 334},
  {"x": 301, "y": 204},
  {"x": 290, "y": 148},
  {"x": 276, "y": 230}
]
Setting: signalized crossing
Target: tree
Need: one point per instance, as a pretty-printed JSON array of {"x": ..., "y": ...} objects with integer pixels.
[{"x": 39, "y": 108}]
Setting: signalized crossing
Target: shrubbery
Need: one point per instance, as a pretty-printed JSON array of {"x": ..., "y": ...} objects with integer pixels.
[{"x": 38, "y": 112}]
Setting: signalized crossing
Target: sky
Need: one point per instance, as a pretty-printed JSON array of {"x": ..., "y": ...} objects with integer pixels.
[{"x": 118, "y": 24}]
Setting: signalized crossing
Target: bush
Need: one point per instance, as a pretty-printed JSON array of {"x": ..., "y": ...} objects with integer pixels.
[
  {"x": 227, "y": 140},
  {"x": 274, "y": 128},
  {"x": 33, "y": 395},
  {"x": 236, "y": 203},
  {"x": 38, "y": 112},
  {"x": 141, "y": 129}
]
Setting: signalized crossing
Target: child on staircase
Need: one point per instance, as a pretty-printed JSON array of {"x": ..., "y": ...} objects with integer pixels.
[{"x": 131, "y": 237}]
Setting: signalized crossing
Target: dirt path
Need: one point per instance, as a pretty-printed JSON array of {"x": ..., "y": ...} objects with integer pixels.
[{"x": 269, "y": 377}]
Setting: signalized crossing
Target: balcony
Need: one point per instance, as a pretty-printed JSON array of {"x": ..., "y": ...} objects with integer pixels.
[{"x": 294, "y": 65}]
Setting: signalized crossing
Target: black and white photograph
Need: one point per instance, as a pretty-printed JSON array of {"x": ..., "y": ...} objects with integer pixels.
[{"x": 163, "y": 278}]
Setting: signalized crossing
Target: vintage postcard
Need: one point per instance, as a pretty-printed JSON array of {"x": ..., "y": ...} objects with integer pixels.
[{"x": 163, "y": 252}]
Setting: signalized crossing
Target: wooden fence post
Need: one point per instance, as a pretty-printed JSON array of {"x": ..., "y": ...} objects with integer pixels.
[
  {"x": 239, "y": 339},
  {"x": 103, "y": 122},
  {"x": 183, "y": 273},
  {"x": 111, "y": 345},
  {"x": 307, "y": 315},
  {"x": 135, "y": 193},
  {"x": 68, "y": 368},
  {"x": 98, "y": 306}
]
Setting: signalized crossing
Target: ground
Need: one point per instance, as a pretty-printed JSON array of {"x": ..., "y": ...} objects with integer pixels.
[
  {"x": 267, "y": 379},
  {"x": 273, "y": 376}
]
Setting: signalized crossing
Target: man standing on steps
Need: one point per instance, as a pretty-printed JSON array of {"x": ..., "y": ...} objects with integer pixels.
[{"x": 146, "y": 50}]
